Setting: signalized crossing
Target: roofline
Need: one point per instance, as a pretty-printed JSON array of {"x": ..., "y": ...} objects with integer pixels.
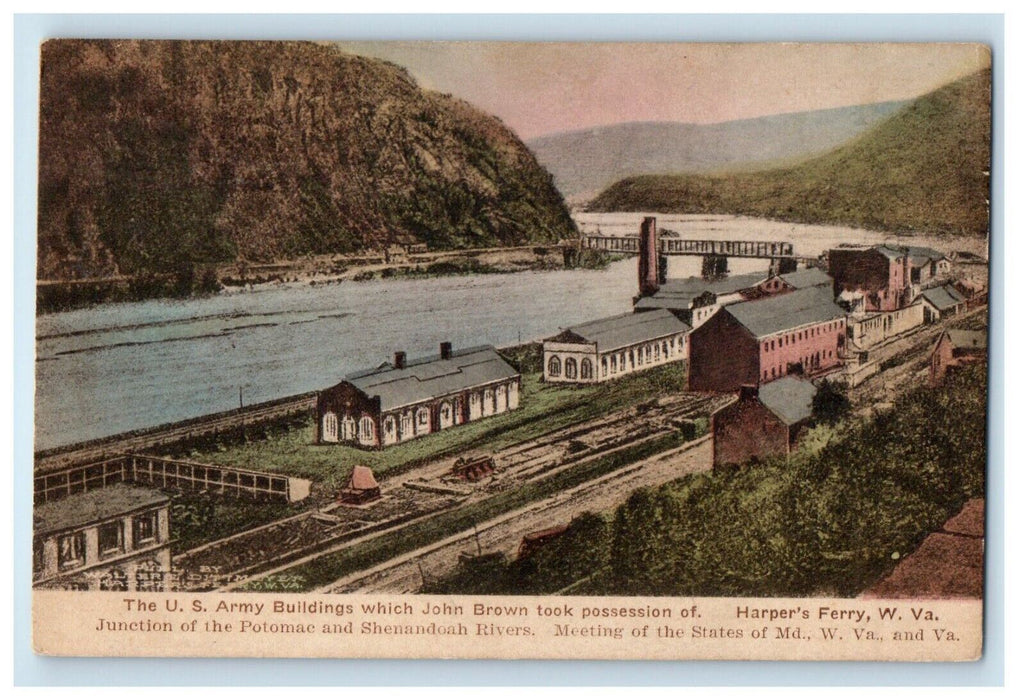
[
  {"x": 655, "y": 337},
  {"x": 442, "y": 396},
  {"x": 164, "y": 500}
]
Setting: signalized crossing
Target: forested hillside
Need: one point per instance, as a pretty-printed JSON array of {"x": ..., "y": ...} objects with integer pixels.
[
  {"x": 157, "y": 156},
  {"x": 926, "y": 168}
]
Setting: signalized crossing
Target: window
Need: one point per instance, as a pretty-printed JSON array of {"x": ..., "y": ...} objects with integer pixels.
[
  {"x": 614, "y": 368},
  {"x": 71, "y": 550},
  {"x": 149, "y": 577},
  {"x": 406, "y": 424},
  {"x": 585, "y": 369},
  {"x": 330, "y": 427},
  {"x": 423, "y": 417},
  {"x": 144, "y": 529},
  {"x": 348, "y": 429},
  {"x": 111, "y": 538},
  {"x": 665, "y": 349},
  {"x": 366, "y": 429},
  {"x": 446, "y": 412},
  {"x": 389, "y": 425},
  {"x": 571, "y": 368},
  {"x": 554, "y": 367}
]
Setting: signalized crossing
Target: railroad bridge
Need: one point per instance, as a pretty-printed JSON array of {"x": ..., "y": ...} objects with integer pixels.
[{"x": 670, "y": 244}]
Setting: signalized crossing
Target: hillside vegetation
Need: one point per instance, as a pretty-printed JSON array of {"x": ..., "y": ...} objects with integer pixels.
[
  {"x": 831, "y": 521},
  {"x": 587, "y": 161},
  {"x": 158, "y": 156},
  {"x": 926, "y": 168}
]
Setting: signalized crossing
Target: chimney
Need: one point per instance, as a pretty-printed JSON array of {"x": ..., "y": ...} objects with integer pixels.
[
  {"x": 748, "y": 392},
  {"x": 400, "y": 360},
  {"x": 647, "y": 264},
  {"x": 446, "y": 351}
]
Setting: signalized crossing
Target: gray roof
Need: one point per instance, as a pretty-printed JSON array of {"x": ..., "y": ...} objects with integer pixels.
[
  {"x": 628, "y": 329},
  {"x": 967, "y": 339},
  {"x": 789, "y": 398},
  {"x": 809, "y": 277},
  {"x": 777, "y": 313},
  {"x": 943, "y": 297},
  {"x": 920, "y": 255},
  {"x": 893, "y": 252},
  {"x": 432, "y": 377},
  {"x": 690, "y": 287},
  {"x": 94, "y": 506},
  {"x": 663, "y": 302}
]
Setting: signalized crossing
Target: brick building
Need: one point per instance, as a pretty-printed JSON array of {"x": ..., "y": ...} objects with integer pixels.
[
  {"x": 955, "y": 349},
  {"x": 756, "y": 342},
  {"x": 764, "y": 421},
  {"x": 115, "y": 538},
  {"x": 612, "y": 347},
  {"x": 882, "y": 273},
  {"x": 398, "y": 402}
]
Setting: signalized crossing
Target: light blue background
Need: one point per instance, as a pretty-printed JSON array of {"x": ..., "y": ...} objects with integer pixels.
[{"x": 30, "y": 30}]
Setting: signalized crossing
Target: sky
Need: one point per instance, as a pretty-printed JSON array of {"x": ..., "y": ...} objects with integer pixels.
[{"x": 544, "y": 88}]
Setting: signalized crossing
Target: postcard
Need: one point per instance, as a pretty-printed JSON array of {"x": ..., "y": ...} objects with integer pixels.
[{"x": 511, "y": 350}]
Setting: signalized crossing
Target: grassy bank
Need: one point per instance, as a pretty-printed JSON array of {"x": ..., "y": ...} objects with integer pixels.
[
  {"x": 543, "y": 408},
  {"x": 834, "y": 519},
  {"x": 329, "y": 568}
]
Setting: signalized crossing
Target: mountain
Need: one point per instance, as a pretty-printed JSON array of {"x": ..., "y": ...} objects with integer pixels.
[
  {"x": 926, "y": 168},
  {"x": 585, "y": 162},
  {"x": 158, "y": 155}
]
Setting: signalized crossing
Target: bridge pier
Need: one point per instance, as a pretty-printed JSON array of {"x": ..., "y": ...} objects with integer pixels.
[
  {"x": 782, "y": 266},
  {"x": 714, "y": 266}
]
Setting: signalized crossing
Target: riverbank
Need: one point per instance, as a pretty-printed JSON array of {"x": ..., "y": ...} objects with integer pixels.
[{"x": 203, "y": 280}]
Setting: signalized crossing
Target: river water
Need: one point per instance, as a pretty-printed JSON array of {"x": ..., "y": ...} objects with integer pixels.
[{"x": 119, "y": 367}]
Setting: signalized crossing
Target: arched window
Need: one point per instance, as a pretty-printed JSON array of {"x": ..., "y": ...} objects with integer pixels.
[
  {"x": 329, "y": 427},
  {"x": 571, "y": 368},
  {"x": 445, "y": 414},
  {"x": 366, "y": 430},
  {"x": 658, "y": 355},
  {"x": 389, "y": 426},
  {"x": 647, "y": 353},
  {"x": 615, "y": 368},
  {"x": 585, "y": 369},
  {"x": 348, "y": 428},
  {"x": 633, "y": 362},
  {"x": 423, "y": 420},
  {"x": 554, "y": 367},
  {"x": 406, "y": 425},
  {"x": 604, "y": 366},
  {"x": 665, "y": 349}
]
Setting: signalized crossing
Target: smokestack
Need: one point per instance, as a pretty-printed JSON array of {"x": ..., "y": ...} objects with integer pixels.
[
  {"x": 446, "y": 351},
  {"x": 647, "y": 265},
  {"x": 400, "y": 360}
]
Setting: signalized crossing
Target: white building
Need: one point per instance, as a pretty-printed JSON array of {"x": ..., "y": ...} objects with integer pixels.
[
  {"x": 612, "y": 347},
  {"x": 115, "y": 538}
]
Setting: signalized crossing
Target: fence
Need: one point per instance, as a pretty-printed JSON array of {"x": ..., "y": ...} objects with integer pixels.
[{"x": 170, "y": 473}]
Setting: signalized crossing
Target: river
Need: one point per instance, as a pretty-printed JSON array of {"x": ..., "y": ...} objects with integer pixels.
[{"x": 118, "y": 367}]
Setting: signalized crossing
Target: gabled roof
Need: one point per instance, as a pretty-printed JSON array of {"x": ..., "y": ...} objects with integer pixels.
[
  {"x": 690, "y": 287},
  {"x": 968, "y": 340},
  {"x": 94, "y": 506},
  {"x": 809, "y": 277},
  {"x": 764, "y": 317},
  {"x": 789, "y": 398},
  {"x": 625, "y": 329},
  {"x": 426, "y": 378},
  {"x": 944, "y": 297},
  {"x": 921, "y": 255}
]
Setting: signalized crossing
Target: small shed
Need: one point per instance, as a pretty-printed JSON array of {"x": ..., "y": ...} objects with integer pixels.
[
  {"x": 955, "y": 349},
  {"x": 361, "y": 488},
  {"x": 943, "y": 302}
]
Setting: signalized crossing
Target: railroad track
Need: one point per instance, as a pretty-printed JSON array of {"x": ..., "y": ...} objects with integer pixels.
[
  {"x": 140, "y": 440},
  {"x": 273, "y": 547}
]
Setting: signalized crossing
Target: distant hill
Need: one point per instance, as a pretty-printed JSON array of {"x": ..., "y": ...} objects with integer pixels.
[
  {"x": 586, "y": 162},
  {"x": 926, "y": 168},
  {"x": 160, "y": 155}
]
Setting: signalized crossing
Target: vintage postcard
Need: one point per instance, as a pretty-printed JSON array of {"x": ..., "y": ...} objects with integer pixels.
[{"x": 511, "y": 350}]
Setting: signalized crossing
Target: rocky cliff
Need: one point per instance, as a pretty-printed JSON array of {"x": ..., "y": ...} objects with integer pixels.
[{"x": 158, "y": 156}]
